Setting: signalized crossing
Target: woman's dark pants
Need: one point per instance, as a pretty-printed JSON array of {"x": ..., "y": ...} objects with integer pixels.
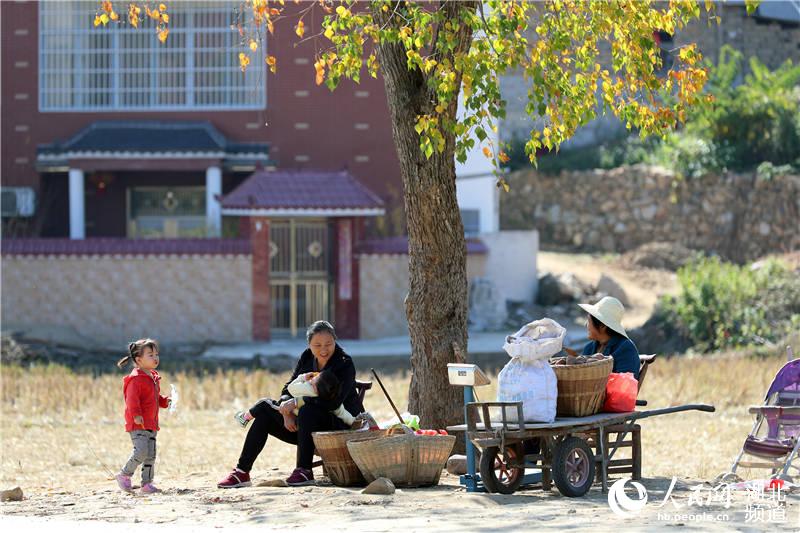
[{"x": 268, "y": 421}]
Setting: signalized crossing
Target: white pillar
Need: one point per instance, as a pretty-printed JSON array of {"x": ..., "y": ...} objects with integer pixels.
[
  {"x": 213, "y": 207},
  {"x": 76, "y": 210}
]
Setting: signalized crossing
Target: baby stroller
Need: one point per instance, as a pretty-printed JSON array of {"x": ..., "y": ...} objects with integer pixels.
[{"x": 775, "y": 446}]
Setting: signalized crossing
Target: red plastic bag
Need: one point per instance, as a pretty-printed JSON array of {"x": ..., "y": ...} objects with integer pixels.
[{"x": 621, "y": 391}]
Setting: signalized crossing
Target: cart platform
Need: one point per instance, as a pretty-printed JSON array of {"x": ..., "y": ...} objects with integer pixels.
[{"x": 563, "y": 455}]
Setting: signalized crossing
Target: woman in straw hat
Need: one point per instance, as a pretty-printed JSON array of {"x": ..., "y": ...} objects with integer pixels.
[{"x": 607, "y": 336}]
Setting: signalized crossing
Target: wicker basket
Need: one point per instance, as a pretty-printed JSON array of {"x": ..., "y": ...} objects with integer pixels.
[
  {"x": 408, "y": 460},
  {"x": 332, "y": 447},
  {"x": 582, "y": 388}
]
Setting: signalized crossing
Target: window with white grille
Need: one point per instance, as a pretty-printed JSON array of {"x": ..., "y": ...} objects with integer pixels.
[{"x": 118, "y": 67}]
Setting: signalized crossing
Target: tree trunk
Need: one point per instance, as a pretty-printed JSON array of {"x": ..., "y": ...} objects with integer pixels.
[{"x": 436, "y": 305}]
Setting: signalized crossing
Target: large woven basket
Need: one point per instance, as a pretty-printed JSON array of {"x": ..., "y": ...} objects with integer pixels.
[
  {"x": 332, "y": 447},
  {"x": 408, "y": 460},
  {"x": 582, "y": 388}
]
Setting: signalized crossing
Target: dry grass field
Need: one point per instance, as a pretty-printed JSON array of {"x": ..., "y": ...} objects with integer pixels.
[{"x": 62, "y": 430}]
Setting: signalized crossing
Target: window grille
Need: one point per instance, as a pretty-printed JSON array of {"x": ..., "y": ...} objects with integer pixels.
[{"x": 121, "y": 68}]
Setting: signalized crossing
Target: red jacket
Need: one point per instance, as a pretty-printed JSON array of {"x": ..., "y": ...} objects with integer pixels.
[{"x": 142, "y": 398}]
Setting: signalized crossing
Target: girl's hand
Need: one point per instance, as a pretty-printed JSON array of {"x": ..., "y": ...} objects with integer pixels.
[
  {"x": 290, "y": 422},
  {"x": 138, "y": 420}
]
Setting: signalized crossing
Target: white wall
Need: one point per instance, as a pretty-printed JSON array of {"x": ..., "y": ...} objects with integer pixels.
[
  {"x": 481, "y": 193},
  {"x": 476, "y": 185},
  {"x": 511, "y": 263}
]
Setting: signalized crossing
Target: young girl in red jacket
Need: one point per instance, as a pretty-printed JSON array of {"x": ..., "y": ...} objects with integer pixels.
[{"x": 143, "y": 397}]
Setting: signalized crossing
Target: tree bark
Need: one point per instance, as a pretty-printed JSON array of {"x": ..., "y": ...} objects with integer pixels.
[{"x": 436, "y": 305}]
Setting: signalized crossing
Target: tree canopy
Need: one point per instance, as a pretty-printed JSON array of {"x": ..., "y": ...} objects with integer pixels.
[{"x": 556, "y": 44}]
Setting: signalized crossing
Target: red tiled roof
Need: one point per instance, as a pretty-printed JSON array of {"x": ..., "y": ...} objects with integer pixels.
[
  {"x": 301, "y": 189},
  {"x": 399, "y": 245},
  {"x": 122, "y": 246}
]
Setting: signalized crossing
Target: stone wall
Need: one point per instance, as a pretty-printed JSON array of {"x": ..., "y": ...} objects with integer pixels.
[
  {"x": 113, "y": 299},
  {"x": 737, "y": 216},
  {"x": 383, "y": 285}
]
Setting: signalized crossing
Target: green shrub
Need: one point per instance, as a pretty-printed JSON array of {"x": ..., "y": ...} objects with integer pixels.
[
  {"x": 750, "y": 119},
  {"x": 723, "y": 305},
  {"x": 754, "y": 121}
]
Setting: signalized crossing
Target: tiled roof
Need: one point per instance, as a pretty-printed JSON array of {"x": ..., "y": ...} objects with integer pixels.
[
  {"x": 151, "y": 138},
  {"x": 122, "y": 246},
  {"x": 399, "y": 245},
  {"x": 302, "y": 190}
]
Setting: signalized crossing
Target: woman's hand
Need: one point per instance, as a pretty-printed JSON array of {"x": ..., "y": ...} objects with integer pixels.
[
  {"x": 138, "y": 420},
  {"x": 290, "y": 422},
  {"x": 288, "y": 407}
]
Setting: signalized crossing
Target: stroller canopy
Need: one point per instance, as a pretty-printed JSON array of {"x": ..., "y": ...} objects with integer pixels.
[{"x": 787, "y": 379}]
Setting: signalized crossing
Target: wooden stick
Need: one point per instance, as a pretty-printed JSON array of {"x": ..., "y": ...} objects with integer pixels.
[{"x": 387, "y": 395}]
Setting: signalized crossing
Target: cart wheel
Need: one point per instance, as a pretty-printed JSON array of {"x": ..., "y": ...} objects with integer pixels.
[
  {"x": 496, "y": 474},
  {"x": 573, "y": 467}
]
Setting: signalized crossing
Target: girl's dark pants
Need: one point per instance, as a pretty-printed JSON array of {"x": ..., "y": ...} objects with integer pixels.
[{"x": 268, "y": 421}]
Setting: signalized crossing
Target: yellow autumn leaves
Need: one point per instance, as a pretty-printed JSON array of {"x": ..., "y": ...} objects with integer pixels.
[{"x": 106, "y": 14}]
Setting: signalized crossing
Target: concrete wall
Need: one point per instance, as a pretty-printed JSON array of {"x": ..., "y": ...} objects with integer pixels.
[
  {"x": 481, "y": 193},
  {"x": 114, "y": 299},
  {"x": 511, "y": 264},
  {"x": 383, "y": 285}
]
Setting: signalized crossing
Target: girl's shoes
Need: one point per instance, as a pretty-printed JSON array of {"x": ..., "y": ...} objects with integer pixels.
[
  {"x": 242, "y": 418},
  {"x": 124, "y": 482},
  {"x": 149, "y": 488}
]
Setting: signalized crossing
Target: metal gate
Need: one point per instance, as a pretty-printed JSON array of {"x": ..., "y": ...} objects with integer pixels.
[{"x": 299, "y": 274}]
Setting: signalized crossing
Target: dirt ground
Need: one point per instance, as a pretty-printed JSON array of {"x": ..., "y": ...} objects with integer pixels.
[
  {"x": 189, "y": 501},
  {"x": 643, "y": 286},
  {"x": 62, "y": 440},
  {"x": 64, "y": 460}
]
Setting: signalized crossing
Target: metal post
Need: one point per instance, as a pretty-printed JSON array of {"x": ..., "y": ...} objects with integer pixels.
[{"x": 471, "y": 479}]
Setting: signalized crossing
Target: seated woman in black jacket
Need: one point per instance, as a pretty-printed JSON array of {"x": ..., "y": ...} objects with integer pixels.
[{"x": 277, "y": 418}]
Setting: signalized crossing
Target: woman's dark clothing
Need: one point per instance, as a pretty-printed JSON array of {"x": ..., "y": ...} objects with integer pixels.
[
  {"x": 342, "y": 366},
  {"x": 268, "y": 421},
  {"x": 315, "y": 415},
  {"x": 624, "y": 351}
]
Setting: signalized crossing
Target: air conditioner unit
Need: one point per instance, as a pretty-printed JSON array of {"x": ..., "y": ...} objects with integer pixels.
[{"x": 18, "y": 201}]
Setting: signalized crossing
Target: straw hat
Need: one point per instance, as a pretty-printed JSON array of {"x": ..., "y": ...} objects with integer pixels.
[{"x": 609, "y": 311}]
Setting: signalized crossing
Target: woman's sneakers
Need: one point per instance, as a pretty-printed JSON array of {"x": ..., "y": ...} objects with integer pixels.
[
  {"x": 124, "y": 482},
  {"x": 300, "y": 477},
  {"x": 243, "y": 417},
  {"x": 235, "y": 479}
]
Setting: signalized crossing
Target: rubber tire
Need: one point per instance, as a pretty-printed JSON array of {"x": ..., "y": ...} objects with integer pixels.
[
  {"x": 490, "y": 481},
  {"x": 559, "y": 468}
]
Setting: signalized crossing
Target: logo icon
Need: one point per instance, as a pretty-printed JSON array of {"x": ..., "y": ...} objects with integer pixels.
[{"x": 621, "y": 504}]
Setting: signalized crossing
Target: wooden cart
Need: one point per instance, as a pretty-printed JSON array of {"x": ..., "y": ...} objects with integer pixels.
[{"x": 561, "y": 451}]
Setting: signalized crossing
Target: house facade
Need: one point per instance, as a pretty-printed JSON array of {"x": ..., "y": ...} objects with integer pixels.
[
  {"x": 109, "y": 117},
  {"x": 158, "y": 190},
  {"x": 110, "y": 136}
]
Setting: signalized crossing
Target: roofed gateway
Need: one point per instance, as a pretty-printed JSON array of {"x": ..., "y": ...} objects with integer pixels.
[
  {"x": 312, "y": 222},
  {"x": 302, "y": 193}
]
